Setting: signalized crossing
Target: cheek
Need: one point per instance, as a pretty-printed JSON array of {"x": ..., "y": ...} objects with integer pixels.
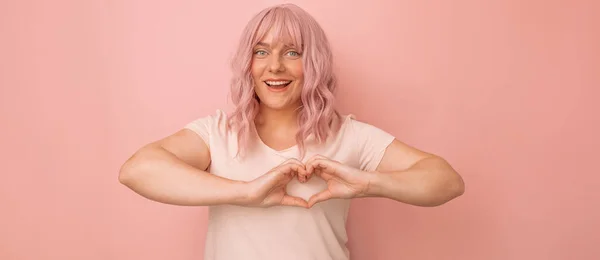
[
  {"x": 257, "y": 70},
  {"x": 297, "y": 70},
  {"x": 299, "y": 75}
]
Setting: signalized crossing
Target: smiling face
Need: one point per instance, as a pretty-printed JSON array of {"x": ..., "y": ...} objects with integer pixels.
[{"x": 277, "y": 73}]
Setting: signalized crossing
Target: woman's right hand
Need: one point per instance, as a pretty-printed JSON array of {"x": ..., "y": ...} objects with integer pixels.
[{"x": 269, "y": 189}]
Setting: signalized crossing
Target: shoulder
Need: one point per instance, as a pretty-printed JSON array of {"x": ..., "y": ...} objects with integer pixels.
[
  {"x": 364, "y": 139},
  {"x": 211, "y": 124},
  {"x": 359, "y": 127},
  {"x": 368, "y": 134},
  {"x": 360, "y": 132}
]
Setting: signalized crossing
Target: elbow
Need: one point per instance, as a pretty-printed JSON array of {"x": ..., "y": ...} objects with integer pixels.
[
  {"x": 459, "y": 187},
  {"x": 454, "y": 189},
  {"x": 140, "y": 166},
  {"x": 446, "y": 192},
  {"x": 448, "y": 186},
  {"x": 131, "y": 170},
  {"x": 453, "y": 185},
  {"x": 127, "y": 173}
]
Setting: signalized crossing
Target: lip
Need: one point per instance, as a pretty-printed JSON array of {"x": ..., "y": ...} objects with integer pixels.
[
  {"x": 272, "y": 79},
  {"x": 277, "y": 89}
]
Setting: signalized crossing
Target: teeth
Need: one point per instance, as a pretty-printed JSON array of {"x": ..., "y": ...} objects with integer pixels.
[{"x": 277, "y": 83}]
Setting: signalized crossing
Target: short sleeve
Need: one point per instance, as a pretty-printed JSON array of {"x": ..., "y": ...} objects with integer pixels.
[
  {"x": 203, "y": 127},
  {"x": 371, "y": 144}
]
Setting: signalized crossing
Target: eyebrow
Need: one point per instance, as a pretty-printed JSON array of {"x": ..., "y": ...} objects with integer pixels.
[{"x": 268, "y": 45}]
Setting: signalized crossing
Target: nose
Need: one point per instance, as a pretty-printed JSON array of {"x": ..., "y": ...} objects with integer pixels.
[{"x": 275, "y": 64}]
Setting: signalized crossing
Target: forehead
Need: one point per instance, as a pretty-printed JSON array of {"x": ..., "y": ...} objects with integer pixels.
[
  {"x": 274, "y": 38},
  {"x": 279, "y": 27}
]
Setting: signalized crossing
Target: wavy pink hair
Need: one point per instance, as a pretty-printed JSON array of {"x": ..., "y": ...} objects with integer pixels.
[{"x": 290, "y": 24}]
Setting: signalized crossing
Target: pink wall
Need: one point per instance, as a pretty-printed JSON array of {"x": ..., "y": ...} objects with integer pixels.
[{"x": 503, "y": 90}]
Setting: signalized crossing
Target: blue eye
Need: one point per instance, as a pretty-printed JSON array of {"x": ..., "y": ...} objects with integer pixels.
[
  {"x": 259, "y": 52},
  {"x": 293, "y": 53}
]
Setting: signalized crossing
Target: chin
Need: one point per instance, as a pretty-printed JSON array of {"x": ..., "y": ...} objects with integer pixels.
[
  {"x": 277, "y": 101},
  {"x": 275, "y": 105}
]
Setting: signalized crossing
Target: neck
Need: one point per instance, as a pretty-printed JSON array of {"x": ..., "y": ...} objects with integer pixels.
[{"x": 277, "y": 118}]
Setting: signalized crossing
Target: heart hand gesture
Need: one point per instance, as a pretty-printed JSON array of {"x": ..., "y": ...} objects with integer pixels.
[
  {"x": 269, "y": 189},
  {"x": 343, "y": 181}
]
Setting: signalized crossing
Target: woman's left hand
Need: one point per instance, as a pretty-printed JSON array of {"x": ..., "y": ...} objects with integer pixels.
[{"x": 343, "y": 181}]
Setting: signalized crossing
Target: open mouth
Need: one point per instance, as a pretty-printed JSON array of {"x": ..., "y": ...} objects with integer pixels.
[{"x": 280, "y": 84}]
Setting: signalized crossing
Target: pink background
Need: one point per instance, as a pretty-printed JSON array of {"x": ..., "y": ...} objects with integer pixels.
[{"x": 504, "y": 90}]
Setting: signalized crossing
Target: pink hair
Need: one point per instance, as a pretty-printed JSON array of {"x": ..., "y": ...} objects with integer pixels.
[{"x": 290, "y": 24}]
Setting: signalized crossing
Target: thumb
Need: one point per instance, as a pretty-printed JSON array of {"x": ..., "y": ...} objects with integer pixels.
[
  {"x": 321, "y": 196},
  {"x": 288, "y": 200},
  {"x": 285, "y": 172}
]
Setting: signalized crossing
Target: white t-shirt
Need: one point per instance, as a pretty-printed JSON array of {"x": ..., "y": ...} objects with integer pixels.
[{"x": 284, "y": 232}]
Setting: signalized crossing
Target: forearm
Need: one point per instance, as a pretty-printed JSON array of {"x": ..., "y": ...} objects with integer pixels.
[
  {"x": 430, "y": 182},
  {"x": 159, "y": 175}
]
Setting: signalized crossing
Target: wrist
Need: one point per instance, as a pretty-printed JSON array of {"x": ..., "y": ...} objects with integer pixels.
[
  {"x": 375, "y": 183},
  {"x": 239, "y": 193}
]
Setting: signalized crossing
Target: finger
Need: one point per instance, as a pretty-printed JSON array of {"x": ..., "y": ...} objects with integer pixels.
[
  {"x": 324, "y": 175},
  {"x": 304, "y": 177},
  {"x": 300, "y": 169},
  {"x": 324, "y": 166},
  {"x": 288, "y": 200},
  {"x": 310, "y": 164},
  {"x": 302, "y": 174},
  {"x": 308, "y": 175},
  {"x": 321, "y": 196},
  {"x": 291, "y": 170}
]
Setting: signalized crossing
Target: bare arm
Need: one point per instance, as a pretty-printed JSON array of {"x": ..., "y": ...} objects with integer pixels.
[
  {"x": 409, "y": 175},
  {"x": 173, "y": 171}
]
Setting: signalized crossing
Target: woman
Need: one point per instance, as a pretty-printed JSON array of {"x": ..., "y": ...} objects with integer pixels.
[{"x": 278, "y": 172}]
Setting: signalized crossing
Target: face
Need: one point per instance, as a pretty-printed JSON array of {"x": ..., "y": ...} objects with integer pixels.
[{"x": 277, "y": 74}]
